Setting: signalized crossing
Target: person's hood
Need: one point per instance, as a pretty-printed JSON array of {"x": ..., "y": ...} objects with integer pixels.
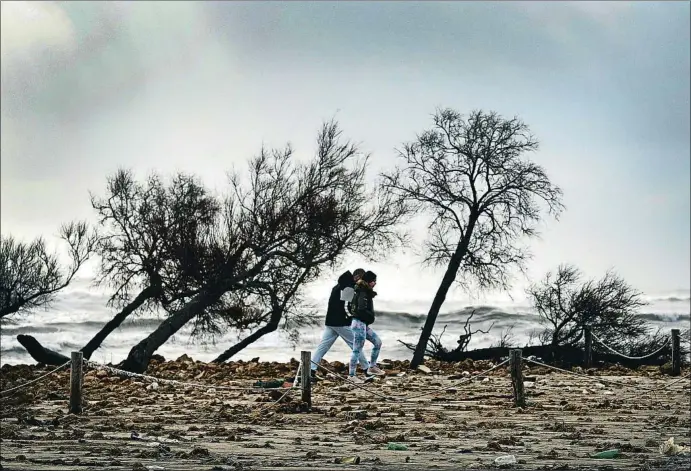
[
  {"x": 362, "y": 285},
  {"x": 345, "y": 280}
]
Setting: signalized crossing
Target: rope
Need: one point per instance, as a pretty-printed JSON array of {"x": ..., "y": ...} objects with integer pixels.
[
  {"x": 33, "y": 381},
  {"x": 597, "y": 378},
  {"x": 628, "y": 357},
  {"x": 354, "y": 384},
  {"x": 675, "y": 382},
  {"x": 174, "y": 382},
  {"x": 290, "y": 389},
  {"x": 463, "y": 381}
]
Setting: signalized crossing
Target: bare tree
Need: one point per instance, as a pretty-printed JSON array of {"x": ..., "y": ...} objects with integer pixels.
[
  {"x": 148, "y": 248},
  {"x": 506, "y": 338},
  {"x": 567, "y": 304},
  {"x": 484, "y": 195},
  {"x": 436, "y": 350},
  {"x": 31, "y": 276},
  {"x": 292, "y": 219}
]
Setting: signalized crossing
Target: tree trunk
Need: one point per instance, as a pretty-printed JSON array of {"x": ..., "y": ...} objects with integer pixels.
[
  {"x": 41, "y": 354},
  {"x": 138, "y": 359},
  {"x": 440, "y": 297},
  {"x": 49, "y": 357},
  {"x": 114, "y": 323},
  {"x": 228, "y": 354}
]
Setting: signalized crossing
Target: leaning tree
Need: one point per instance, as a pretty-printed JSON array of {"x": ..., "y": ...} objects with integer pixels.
[
  {"x": 148, "y": 248},
  {"x": 279, "y": 228},
  {"x": 485, "y": 197},
  {"x": 31, "y": 276},
  {"x": 567, "y": 303}
]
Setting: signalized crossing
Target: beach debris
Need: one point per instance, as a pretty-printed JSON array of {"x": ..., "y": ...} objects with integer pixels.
[
  {"x": 276, "y": 383},
  {"x": 670, "y": 448},
  {"x": 348, "y": 460},
  {"x": 152, "y": 386},
  {"x": 354, "y": 415},
  {"x": 155, "y": 468},
  {"x": 505, "y": 461},
  {"x": 397, "y": 447},
  {"x": 607, "y": 454},
  {"x": 424, "y": 369}
]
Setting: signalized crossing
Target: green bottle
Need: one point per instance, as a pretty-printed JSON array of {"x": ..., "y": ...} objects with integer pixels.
[
  {"x": 397, "y": 447},
  {"x": 607, "y": 454}
]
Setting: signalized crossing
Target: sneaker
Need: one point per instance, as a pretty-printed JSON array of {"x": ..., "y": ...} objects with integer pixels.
[
  {"x": 313, "y": 377},
  {"x": 375, "y": 371},
  {"x": 356, "y": 380}
]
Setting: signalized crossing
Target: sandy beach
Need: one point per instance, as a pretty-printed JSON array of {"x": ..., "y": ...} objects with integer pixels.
[{"x": 131, "y": 424}]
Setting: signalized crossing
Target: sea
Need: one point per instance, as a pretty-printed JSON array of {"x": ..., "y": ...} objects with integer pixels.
[{"x": 80, "y": 311}]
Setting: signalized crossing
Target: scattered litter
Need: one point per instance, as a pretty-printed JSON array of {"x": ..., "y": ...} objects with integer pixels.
[
  {"x": 348, "y": 460},
  {"x": 505, "y": 460},
  {"x": 277, "y": 383},
  {"x": 397, "y": 447},
  {"x": 608, "y": 393},
  {"x": 599, "y": 386},
  {"x": 155, "y": 468},
  {"x": 607, "y": 454},
  {"x": 486, "y": 380},
  {"x": 153, "y": 386},
  {"x": 424, "y": 369},
  {"x": 670, "y": 448}
]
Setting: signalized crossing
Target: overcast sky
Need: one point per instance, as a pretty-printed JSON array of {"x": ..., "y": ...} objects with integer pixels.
[{"x": 88, "y": 87}]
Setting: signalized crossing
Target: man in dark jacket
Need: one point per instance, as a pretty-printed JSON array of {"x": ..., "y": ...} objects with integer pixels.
[{"x": 337, "y": 323}]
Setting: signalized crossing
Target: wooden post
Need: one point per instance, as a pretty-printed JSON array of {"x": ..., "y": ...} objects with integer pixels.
[
  {"x": 588, "y": 353},
  {"x": 676, "y": 353},
  {"x": 305, "y": 380},
  {"x": 76, "y": 383},
  {"x": 516, "y": 362}
]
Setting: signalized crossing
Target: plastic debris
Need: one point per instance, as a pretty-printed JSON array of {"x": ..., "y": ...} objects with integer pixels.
[
  {"x": 670, "y": 448},
  {"x": 397, "y": 447},
  {"x": 607, "y": 454},
  {"x": 348, "y": 460},
  {"x": 505, "y": 460}
]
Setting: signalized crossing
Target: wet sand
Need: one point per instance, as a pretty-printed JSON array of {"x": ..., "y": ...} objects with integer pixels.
[{"x": 567, "y": 420}]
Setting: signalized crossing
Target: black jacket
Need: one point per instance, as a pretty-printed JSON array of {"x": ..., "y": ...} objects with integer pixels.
[
  {"x": 362, "y": 306},
  {"x": 336, "y": 315}
]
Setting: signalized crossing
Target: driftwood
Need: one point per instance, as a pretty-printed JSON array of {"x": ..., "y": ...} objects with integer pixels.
[{"x": 40, "y": 353}]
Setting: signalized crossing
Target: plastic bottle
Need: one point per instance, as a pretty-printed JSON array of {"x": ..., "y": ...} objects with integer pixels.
[
  {"x": 397, "y": 447},
  {"x": 607, "y": 454}
]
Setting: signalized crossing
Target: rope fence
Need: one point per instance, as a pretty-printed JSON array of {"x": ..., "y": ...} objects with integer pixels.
[
  {"x": 303, "y": 381},
  {"x": 644, "y": 357},
  {"x": 174, "y": 382},
  {"x": 8, "y": 392}
]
